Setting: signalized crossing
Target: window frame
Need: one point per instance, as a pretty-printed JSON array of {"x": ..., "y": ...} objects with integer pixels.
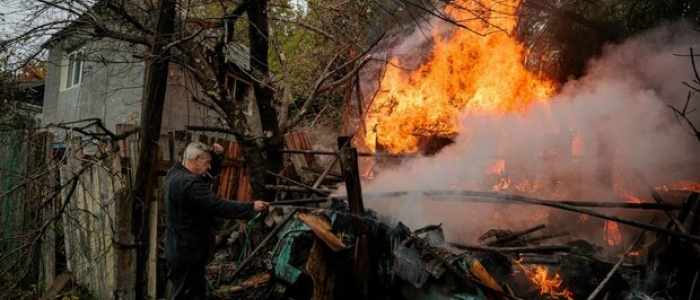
[{"x": 74, "y": 76}]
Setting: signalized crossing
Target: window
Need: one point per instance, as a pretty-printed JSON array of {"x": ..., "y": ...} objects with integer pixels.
[{"x": 75, "y": 68}]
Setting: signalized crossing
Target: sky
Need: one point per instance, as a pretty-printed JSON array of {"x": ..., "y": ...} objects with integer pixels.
[{"x": 20, "y": 16}]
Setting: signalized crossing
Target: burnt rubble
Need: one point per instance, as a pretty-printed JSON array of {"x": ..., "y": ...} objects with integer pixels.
[{"x": 311, "y": 253}]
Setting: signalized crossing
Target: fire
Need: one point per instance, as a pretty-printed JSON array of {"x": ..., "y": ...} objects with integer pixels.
[
  {"x": 480, "y": 74},
  {"x": 549, "y": 284},
  {"x": 612, "y": 236},
  {"x": 684, "y": 186}
]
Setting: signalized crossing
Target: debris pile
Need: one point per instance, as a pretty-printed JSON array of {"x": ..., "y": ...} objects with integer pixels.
[{"x": 311, "y": 253}]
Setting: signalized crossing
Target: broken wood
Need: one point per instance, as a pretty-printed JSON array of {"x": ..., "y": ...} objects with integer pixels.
[
  {"x": 480, "y": 273},
  {"x": 351, "y": 173},
  {"x": 250, "y": 282},
  {"x": 544, "y": 237},
  {"x": 555, "y": 204},
  {"x": 321, "y": 226},
  {"x": 642, "y": 206},
  {"x": 325, "y": 171},
  {"x": 287, "y": 188},
  {"x": 462, "y": 275},
  {"x": 320, "y": 271},
  {"x": 308, "y": 188},
  {"x": 515, "y": 235},
  {"x": 528, "y": 249},
  {"x": 298, "y": 202},
  {"x": 616, "y": 266}
]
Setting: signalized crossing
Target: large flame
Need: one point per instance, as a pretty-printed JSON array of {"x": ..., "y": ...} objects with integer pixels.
[{"x": 482, "y": 74}]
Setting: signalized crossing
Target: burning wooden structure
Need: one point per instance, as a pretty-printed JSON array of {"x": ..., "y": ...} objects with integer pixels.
[{"x": 604, "y": 233}]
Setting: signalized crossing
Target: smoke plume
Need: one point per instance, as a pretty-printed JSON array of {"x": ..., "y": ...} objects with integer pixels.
[{"x": 608, "y": 134}]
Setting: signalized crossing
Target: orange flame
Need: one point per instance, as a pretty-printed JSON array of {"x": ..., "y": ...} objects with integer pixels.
[
  {"x": 613, "y": 235},
  {"x": 549, "y": 284},
  {"x": 481, "y": 74}
]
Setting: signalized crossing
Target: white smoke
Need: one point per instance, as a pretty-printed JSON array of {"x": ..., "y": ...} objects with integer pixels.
[{"x": 618, "y": 113}]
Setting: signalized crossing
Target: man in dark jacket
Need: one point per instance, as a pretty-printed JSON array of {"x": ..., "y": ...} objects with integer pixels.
[{"x": 191, "y": 207}]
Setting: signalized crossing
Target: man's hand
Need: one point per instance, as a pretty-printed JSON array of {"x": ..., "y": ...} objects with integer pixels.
[
  {"x": 218, "y": 149},
  {"x": 260, "y": 205}
]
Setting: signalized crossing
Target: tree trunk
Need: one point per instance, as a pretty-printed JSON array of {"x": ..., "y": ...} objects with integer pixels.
[
  {"x": 151, "y": 119},
  {"x": 265, "y": 156}
]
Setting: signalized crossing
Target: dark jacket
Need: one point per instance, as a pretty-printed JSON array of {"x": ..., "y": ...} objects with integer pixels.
[{"x": 191, "y": 207}]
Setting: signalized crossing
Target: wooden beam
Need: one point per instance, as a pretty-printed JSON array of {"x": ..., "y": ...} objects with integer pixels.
[{"x": 351, "y": 173}]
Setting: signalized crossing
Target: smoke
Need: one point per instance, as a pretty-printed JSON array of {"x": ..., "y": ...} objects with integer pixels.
[{"x": 607, "y": 134}]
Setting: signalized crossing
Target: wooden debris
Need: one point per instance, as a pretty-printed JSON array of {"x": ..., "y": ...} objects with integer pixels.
[
  {"x": 321, "y": 226},
  {"x": 616, "y": 266},
  {"x": 321, "y": 272},
  {"x": 480, "y": 273},
  {"x": 250, "y": 282},
  {"x": 513, "y": 236}
]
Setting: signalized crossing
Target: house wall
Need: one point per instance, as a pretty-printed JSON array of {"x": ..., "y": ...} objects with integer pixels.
[{"x": 112, "y": 89}]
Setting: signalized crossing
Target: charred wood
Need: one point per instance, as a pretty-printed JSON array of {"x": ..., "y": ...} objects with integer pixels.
[
  {"x": 288, "y": 188},
  {"x": 459, "y": 273},
  {"x": 544, "y": 237},
  {"x": 321, "y": 271},
  {"x": 616, "y": 266},
  {"x": 527, "y": 249},
  {"x": 323, "y": 172},
  {"x": 308, "y": 188},
  {"x": 558, "y": 205},
  {"x": 351, "y": 174},
  {"x": 514, "y": 236},
  {"x": 299, "y": 202}
]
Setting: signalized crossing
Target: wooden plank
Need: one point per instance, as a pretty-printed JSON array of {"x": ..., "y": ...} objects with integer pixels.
[
  {"x": 351, "y": 173},
  {"x": 152, "y": 250},
  {"x": 321, "y": 270},
  {"x": 244, "y": 191}
]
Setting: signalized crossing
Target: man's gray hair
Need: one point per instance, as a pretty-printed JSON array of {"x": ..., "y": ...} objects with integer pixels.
[{"x": 194, "y": 150}]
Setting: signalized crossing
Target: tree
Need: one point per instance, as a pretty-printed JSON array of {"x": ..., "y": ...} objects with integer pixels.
[
  {"x": 563, "y": 35},
  {"x": 282, "y": 60}
]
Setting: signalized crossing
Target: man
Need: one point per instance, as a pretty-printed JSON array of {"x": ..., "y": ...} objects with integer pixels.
[{"x": 190, "y": 210}]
